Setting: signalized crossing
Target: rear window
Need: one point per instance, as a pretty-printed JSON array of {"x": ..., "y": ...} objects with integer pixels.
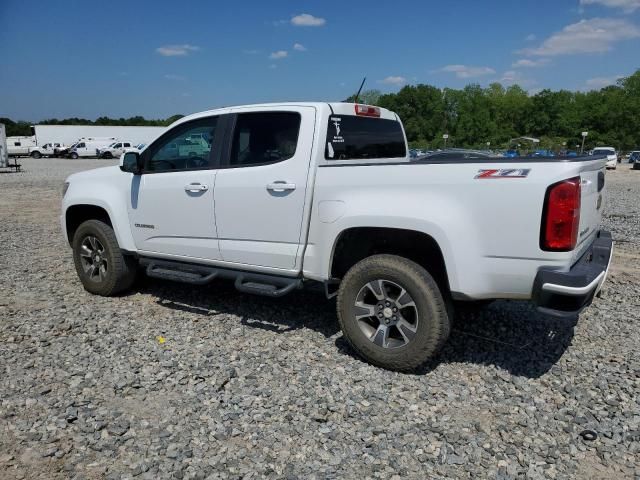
[
  {"x": 603, "y": 151},
  {"x": 362, "y": 138}
]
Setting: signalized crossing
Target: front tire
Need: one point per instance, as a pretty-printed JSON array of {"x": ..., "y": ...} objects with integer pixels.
[
  {"x": 392, "y": 312},
  {"x": 100, "y": 265},
  {"x": 74, "y": 155}
]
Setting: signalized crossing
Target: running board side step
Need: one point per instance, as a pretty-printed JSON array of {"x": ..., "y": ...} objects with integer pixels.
[{"x": 247, "y": 282}]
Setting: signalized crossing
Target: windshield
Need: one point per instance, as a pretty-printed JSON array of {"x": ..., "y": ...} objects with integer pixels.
[{"x": 603, "y": 151}]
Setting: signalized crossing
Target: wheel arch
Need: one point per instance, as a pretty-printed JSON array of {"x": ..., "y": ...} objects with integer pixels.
[
  {"x": 357, "y": 243},
  {"x": 77, "y": 213}
]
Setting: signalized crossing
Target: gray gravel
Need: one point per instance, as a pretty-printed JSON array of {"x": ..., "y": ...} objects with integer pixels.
[{"x": 183, "y": 382}]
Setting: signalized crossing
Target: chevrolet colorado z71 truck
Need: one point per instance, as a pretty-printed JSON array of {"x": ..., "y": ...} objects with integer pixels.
[{"x": 289, "y": 194}]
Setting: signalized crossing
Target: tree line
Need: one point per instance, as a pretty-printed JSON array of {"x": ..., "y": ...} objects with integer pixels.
[
  {"x": 495, "y": 116},
  {"x": 22, "y": 128},
  {"x": 477, "y": 117}
]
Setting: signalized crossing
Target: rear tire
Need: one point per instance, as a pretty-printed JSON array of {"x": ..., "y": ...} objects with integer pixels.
[
  {"x": 36, "y": 154},
  {"x": 378, "y": 326},
  {"x": 101, "y": 266},
  {"x": 74, "y": 155},
  {"x": 107, "y": 155}
]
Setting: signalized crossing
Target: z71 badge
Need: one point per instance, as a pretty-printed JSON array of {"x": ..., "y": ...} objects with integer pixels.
[{"x": 503, "y": 173}]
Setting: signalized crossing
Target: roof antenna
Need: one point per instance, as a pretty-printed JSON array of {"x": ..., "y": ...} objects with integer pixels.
[{"x": 360, "y": 89}]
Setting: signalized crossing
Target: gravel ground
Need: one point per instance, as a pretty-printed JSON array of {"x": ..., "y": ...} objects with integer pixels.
[{"x": 175, "y": 381}]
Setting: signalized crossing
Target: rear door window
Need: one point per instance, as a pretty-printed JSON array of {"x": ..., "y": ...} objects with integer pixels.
[
  {"x": 351, "y": 137},
  {"x": 264, "y": 137}
]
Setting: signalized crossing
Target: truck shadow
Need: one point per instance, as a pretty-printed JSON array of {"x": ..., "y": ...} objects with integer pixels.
[{"x": 510, "y": 335}]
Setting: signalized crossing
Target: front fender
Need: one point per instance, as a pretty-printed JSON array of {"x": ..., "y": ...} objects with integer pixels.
[{"x": 112, "y": 198}]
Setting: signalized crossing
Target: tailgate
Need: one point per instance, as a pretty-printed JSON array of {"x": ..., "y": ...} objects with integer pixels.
[{"x": 592, "y": 183}]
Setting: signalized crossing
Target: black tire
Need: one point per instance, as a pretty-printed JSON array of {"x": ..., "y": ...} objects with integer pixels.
[
  {"x": 432, "y": 323},
  {"x": 107, "y": 155},
  {"x": 36, "y": 154},
  {"x": 74, "y": 155},
  {"x": 119, "y": 270}
]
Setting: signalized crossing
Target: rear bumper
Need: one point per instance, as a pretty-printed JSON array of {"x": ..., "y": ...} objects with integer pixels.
[{"x": 566, "y": 294}]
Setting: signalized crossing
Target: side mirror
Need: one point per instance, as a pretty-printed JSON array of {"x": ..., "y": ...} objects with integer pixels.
[{"x": 131, "y": 162}]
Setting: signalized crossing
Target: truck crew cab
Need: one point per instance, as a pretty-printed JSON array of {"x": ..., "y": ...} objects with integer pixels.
[{"x": 277, "y": 196}]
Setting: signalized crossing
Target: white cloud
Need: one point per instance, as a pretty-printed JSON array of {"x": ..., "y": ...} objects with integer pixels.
[
  {"x": 626, "y": 5},
  {"x": 278, "y": 55},
  {"x": 171, "y": 76},
  {"x": 528, "y": 63},
  {"x": 396, "y": 80},
  {"x": 601, "y": 82},
  {"x": 512, "y": 77},
  {"x": 307, "y": 20},
  {"x": 299, "y": 47},
  {"x": 177, "y": 50},
  {"x": 530, "y": 38},
  {"x": 595, "y": 35},
  {"x": 466, "y": 71}
]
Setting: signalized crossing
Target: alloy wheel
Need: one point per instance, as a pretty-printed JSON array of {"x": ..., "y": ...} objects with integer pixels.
[
  {"x": 386, "y": 314},
  {"x": 93, "y": 258}
]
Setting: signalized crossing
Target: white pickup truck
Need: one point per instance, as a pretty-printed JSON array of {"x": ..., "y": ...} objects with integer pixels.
[{"x": 286, "y": 195}]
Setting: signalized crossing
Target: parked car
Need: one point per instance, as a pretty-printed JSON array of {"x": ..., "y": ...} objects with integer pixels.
[
  {"x": 542, "y": 153},
  {"x": 634, "y": 158},
  {"x": 113, "y": 150},
  {"x": 610, "y": 152},
  {"x": 396, "y": 241},
  {"x": 512, "y": 153}
]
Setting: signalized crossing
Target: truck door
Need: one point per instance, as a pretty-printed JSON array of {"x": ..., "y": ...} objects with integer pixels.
[
  {"x": 261, "y": 189},
  {"x": 171, "y": 207}
]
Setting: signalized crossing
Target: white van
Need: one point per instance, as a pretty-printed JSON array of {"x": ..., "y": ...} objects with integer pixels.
[{"x": 88, "y": 147}]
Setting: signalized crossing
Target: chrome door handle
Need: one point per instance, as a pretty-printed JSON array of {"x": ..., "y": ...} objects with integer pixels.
[
  {"x": 281, "y": 186},
  {"x": 196, "y": 187}
]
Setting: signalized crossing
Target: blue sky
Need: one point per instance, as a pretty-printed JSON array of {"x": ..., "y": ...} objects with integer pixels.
[{"x": 156, "y": 58}]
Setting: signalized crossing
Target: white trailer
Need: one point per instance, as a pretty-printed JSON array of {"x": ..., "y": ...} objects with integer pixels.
[
  {"x": 71, "y": 134},
  {"x": 20, "y": 146},
  {"x": 4, "y": 157}
]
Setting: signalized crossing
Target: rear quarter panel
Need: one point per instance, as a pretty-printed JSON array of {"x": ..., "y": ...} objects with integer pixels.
[{"x": 488, "y": 229}]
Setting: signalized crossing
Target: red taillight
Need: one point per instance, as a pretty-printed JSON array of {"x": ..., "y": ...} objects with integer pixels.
[
  {"x": 367, "y": 111},
  {"x": 561, "y": 217}
]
